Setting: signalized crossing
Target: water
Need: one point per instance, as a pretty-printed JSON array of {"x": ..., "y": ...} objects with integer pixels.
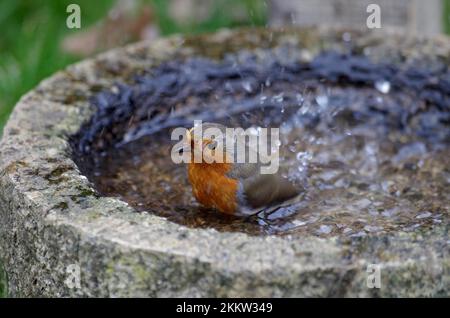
[
  {"x": 368, "y": 157},
  {"x": 383, "y": 86}
]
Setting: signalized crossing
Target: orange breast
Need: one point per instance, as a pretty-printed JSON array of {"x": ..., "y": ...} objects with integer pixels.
[{"x": 212, "y": 188}]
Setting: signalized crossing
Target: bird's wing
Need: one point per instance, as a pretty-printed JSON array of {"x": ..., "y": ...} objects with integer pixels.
[
  {"x": 259, "y": 190},
  {"x": 267, "y": 189},
  {"x": 243, "y": 170}
]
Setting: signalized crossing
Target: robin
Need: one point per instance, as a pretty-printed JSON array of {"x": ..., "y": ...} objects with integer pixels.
[{"x": 229, "y": 186}]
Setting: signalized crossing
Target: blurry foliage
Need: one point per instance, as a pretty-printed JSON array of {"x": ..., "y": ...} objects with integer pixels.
[
  {"x": 221, "y": 16},
  {"x": 32, "y": 31},
  {"x": 29, "y": 44}
]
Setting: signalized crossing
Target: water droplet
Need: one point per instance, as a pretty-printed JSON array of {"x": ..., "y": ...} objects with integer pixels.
[
  {"x": 273, "y": 150},
  {"x": 253, "y": 131},
  {"x": 247, "y": 86},
  {"x": 278, "y": 98},
  {"x": 300, "y": 99},
  {"x": 304, "y": 156},
  {"x": 262, "y": 99},
  {"x": 424, "y": 215},
  {"x": 304, "y": 109},
  {"x": 322, "y": 100},
  {"x": 383, "y": 86},
  {"x": 228, "y": 87},
  {"x": 285, "y": 128}
]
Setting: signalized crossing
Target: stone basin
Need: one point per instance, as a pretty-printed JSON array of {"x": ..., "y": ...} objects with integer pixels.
[{"x": 57, "y": 214}]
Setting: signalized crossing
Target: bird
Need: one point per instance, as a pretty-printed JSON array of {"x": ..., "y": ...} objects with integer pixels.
[{"x": 229, "y": 186}]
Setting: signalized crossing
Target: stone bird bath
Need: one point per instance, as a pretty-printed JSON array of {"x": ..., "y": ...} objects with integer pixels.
[{"x": 87, "y": 185}]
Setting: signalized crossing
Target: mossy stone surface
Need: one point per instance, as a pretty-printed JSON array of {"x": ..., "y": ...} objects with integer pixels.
[{"x": 3, "y": 282}]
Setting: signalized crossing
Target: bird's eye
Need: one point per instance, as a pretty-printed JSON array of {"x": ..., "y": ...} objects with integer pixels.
[{"x": 212, "y": 145}]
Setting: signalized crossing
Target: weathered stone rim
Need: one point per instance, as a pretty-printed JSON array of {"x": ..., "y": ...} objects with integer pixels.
[{"x": 38, "y": 172}]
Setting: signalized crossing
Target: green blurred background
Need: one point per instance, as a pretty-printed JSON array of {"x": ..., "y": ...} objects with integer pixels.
[{"x": 32, "y": 30}]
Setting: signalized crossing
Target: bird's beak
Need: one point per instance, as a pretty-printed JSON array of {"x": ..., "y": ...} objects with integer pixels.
[
  {"x": 189, "y": 135},
  {"x": 189, "y": 138}
]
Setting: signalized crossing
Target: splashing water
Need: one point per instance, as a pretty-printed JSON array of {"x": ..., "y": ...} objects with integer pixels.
[
  {"x": 383, "y": 86},
  {"x": 371, "y": 158}
]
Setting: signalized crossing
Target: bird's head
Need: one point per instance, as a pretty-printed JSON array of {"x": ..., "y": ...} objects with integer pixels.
[{"x": 207, "y": 144}]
